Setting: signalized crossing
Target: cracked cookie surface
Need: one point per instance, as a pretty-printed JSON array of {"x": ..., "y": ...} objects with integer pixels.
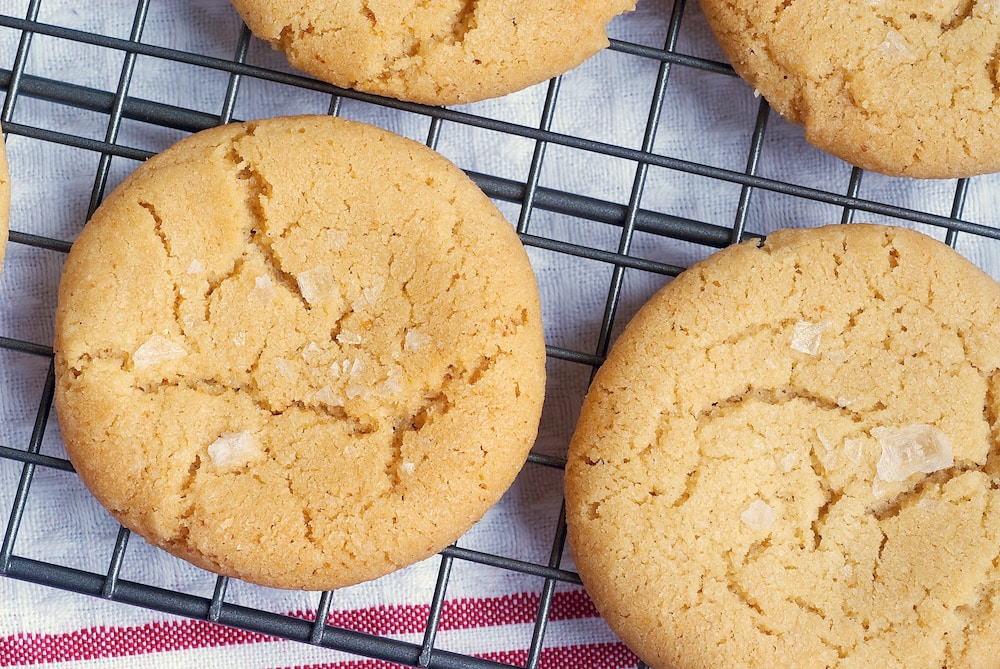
[
  {"x": 439, "y": 53},
  {"x": 790, "y": 459},
  {"x": 887, "y": 85},
  {"x": 303, "y": 352}
]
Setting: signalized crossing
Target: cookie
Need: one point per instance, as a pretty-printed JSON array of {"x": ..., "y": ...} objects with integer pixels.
[
  {"x": 4, "y": 201},
  {"x": 303, "y": 352},
  {"x": 789, "y": 459},
  {"x": 888, "y": 86},
  {"x": 438, "y": 53}
]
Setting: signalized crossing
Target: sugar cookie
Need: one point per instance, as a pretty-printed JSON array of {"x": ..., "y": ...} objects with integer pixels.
[
  {"x": 439, "y": 53},
  {"x": 902, "y": 89},
  {"x": 301, "y": 351},
  {"x": 790, "y": 459}
]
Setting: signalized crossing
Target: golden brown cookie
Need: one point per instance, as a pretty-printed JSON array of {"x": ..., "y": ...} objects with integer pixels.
[
  {"x": 439, "y": 53},
  {"x": 4, "y": 201},
  {"x": 790, "y": 459},
  {"x": 887, "y": 85},
  {"x": 301, "y": 351}
]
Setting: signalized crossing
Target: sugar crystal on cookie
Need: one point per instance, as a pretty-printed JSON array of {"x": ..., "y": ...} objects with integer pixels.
[{"x": 910, "y": 450}]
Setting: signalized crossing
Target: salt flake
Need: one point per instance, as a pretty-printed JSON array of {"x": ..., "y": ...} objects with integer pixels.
[
  {"x": 328, "y": 397},
  {"x": 911, "y": 449},
  {"x": 806, "y": 337},
  {"x": 312, "y": 353},
  {"x": 759, "y": 516},
  {"x": 196, "y": 267},
  {"x": 853, "y": 449},
  {"x": 337, "y": 239},
  {"x": 896, "y": 45},
  {"x": 349, "y": 338},
  {"x": 155, "y": 350},
  {"x": 415, "y": 340},
  {"x": 234, "y": 449},
  {"x": 315, "y": 284},
  {"x": 263, "y": 287}
]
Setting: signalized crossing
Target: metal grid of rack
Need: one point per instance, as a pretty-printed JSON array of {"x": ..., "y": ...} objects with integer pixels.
[{"x": 530, "y": 198}]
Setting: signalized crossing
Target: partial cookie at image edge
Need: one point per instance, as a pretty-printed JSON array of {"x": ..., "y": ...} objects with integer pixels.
[
  {"x": 730, "y": 478},
  {"x": 440, "y": 54},
  {"x": 903, "y": 93}
]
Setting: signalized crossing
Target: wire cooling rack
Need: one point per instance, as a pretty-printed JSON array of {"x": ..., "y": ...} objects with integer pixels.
[{"x": 677, "y": 159}]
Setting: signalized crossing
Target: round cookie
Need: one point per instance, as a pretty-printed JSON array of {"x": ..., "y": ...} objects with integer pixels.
[
  {"x": 303, "y": 352},
  {"x": 889, "y": 86},
  {"x": 790, "y": 459},
  {"x": 4, "y": 200},
  {"x": 439, "y": 53}
]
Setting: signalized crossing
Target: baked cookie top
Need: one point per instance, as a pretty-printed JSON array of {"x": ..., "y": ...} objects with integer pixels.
[
  {"x": 790, "y": 459},
  {"x": 302, "y": 352},
  {"x": 4, "y": 200},
  {"x": 439, "y": 53},
  {"x": 888, "y": 85}
]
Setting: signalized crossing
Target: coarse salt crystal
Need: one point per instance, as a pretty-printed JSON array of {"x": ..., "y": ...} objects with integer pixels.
[
  {"x": 234, "y": 449},
  {"x": 285, "y": 368},
  {"x": 315, "y": 284},
  {"x": 239, "y": 339},
  {"x": 789, "y": 461},
  {"x": 196, "y": 267},
  {"x": 349, "y": 338},
  {"x": 391, "y": 384},
  {"x": 806, "y": 337},
  {"x": 895, "y": 45},
  {"x": 328, "y": 397},
  {"x": 910, "y": 450},
  {"x": 337, "y": 239},
  {"x": 414, "y": 340},
  {"x": 853, "y": 449},
  {"x": 311, "y": 352},
  {"x": 263, "y": 287},
  {"x": 824, "y": 440},
  {"x": 371, "y": 290},
  {"x": 759, "y": 516},
  {"x": 155, "y": 350},
  {"x": 408, "y": 467},
  {"x": 880, "y": 487}
]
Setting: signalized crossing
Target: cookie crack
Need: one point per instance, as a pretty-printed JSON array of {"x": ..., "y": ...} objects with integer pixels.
[
  {"x": 182, "y": 528},
  {"x": 433, "y": 406},
  {"x": 165, "y": 242},
  {"x": 774, "y": 397},
  {"x": 962, "y": 13},
  {"x": 258, "y": 188},
  {"x": 464, "y": 21},
  {"x": 892, "y": 507},
  {"x": 993, "y": 68}
]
